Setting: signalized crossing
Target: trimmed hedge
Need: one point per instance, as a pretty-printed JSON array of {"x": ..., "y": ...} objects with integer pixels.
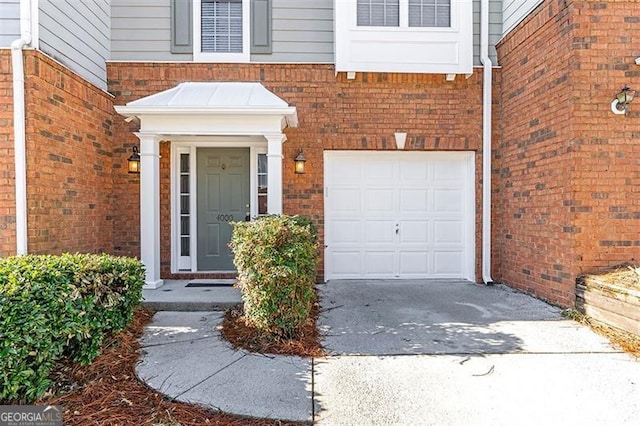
[
  {"x": 276, "y": 257},
  {"x": 59, "y": 306}
]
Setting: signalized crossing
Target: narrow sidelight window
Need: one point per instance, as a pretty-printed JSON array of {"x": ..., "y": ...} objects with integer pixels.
[
  {"x": 262, "y": 184},
  {"x": 185, "y": 195}
]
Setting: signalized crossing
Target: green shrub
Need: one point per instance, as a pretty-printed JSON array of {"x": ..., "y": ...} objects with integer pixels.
[
  {"x": 276, "y": 257},
  {"x": 59, "y": 306}
]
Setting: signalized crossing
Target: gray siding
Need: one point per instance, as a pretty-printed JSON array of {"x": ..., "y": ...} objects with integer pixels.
[
  {"x": 76, "y": 33},
  {"x": 514, "y": 11},
  {"x": 9, "y": 22},
  {"x": 302, "y": 31},
  {"x": 141, "y": 31},
  {"x": 495, "y": 29}
]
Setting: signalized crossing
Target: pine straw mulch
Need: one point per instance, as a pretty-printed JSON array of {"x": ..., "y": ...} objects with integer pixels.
[
  {"x": 107, "y": 392},
  {"x": 243, "y": 336}
]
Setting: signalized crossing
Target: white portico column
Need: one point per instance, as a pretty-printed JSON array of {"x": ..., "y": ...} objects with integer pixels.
[
  {"x": 150, "y": 207},
  {"x": 274, "y": 172}
]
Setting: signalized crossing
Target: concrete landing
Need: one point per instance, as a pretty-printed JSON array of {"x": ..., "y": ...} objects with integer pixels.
[{"x": 175, "y": 296}]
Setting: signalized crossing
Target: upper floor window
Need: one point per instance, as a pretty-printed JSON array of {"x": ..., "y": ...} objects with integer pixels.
[
  {"x": 403, "y": 13},
  {"x": 378, "y": 13},
  {"x": 221, "y": 30},
  {"x": 429, "y": 13}
]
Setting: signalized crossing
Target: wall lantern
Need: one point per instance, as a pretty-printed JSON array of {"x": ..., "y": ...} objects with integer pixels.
[
  {"x": 622, "y": 100},
  {"x": 134, "y": 161},
  {"x": 300, "y": 160}
]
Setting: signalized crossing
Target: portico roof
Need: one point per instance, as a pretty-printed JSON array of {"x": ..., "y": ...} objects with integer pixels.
[{"x": 212, "y": 98}]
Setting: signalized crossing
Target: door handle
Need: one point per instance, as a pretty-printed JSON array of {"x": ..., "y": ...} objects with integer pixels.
[
  {"x": 247, "y": 216},
  {"x": 397, "y": 229}
]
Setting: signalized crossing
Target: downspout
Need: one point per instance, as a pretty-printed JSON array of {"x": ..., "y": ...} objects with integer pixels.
[
  {"x": 19, "y": 127},
  {"x": 486, "y": 141}
]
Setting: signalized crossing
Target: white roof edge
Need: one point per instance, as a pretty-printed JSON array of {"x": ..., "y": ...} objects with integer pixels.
[{"x": 146, "y": 110}]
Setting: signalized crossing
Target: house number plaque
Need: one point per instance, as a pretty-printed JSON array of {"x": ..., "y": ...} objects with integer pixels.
[{"x": 225, "y": 217}]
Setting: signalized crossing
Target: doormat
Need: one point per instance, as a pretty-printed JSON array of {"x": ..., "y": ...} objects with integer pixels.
[{"x": 211, "y": 283}]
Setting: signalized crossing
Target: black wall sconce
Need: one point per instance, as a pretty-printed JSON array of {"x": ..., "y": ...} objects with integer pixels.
[
  {"x": 300, "y": 160},
  {"x": 621, "y": 103},
  {"x": 134, "y": 161}
]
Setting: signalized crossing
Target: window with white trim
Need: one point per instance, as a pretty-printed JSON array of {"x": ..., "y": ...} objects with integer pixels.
[
  {"x": 388, "y": 13},
  {"x": 378, "y": 13},
  {"x": 221, "y": 30}
]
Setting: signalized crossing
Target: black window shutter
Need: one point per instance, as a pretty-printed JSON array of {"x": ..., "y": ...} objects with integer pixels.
[
  {"x": 181, "y": 26},
  {"x": 260, "y": 26}
]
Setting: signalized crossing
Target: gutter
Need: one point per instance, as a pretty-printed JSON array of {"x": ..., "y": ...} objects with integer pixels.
[
  {"x": 19, "y": 127},
  {"x": 486, "y": 141}
]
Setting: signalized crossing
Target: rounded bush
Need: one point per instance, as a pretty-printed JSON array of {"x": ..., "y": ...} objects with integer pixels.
[{"x": 276, "y": 258}]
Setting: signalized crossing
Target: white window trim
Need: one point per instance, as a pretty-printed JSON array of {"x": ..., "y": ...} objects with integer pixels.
[
  {"x": 190, "y": 146},
  {"x": 198, "y": 55}
]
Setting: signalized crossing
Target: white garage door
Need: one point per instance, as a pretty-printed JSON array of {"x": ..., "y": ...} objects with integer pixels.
[{"x": 399, "y": 214}]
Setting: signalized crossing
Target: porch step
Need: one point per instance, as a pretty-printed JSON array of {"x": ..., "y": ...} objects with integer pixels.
[{"x": 174, "y": 295}]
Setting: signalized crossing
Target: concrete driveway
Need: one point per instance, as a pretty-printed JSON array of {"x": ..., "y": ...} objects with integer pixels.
[{"x": 453, "y": 353}]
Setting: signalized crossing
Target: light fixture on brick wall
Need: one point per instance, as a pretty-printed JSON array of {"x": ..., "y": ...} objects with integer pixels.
[
  {"x": 300, "y": 160},
  {"x": 621, "y": 103},
  {"x": 134, "y": 161}
]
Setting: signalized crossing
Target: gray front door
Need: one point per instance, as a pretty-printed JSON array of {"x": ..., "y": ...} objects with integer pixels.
[{"x": 223, "y": 197}]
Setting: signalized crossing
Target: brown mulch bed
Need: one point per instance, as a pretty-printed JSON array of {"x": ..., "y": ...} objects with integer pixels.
[
  {"x": 107, "y": 392},
  {"x": 243, "y": 336}
]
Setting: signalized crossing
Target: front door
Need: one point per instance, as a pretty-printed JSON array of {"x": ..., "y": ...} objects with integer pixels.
[{"x": 222, "y": 197}]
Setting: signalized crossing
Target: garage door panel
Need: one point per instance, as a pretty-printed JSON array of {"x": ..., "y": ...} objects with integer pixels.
[
  {"x": 379, "y": 231},
  {"x": 380, "y": 263},
  {"x": 345, "y": 231},
  {"x": 379, "y": 170},
  {"x": 449, "y": 171},
  {"x": 348, "y": 169},
  {"x": 414, "y": 263},
  {"x": 414, "y": 201},
  {"x": 414, "y": 172},
  {"x": 414, "y": 231},
  {"x": 379, "y": 202},
  {"x": 399, "y": 214},
  {"x": 448, "y": 263},
  {"x": 346, "y": 263},
  {"x": 448, "y": 232},
  {"x": 448, "y": 200},
  {"x": 345, "y": 200}
]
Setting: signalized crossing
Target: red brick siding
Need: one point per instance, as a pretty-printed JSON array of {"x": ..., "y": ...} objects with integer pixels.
[
  {"x": 334, "y": 113},
  {"x": 69, "y": 160},
  {"x": 605, "y": 40},
  {"x": 565, "y": 165},
  {"x": 7, "y": 175}
]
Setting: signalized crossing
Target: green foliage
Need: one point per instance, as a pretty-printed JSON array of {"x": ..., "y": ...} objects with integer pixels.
[
  {"x": 59, "y": 306},
  {"x": 276, "y": 257}
]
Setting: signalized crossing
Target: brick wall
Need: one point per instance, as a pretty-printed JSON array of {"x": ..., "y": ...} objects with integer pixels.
[
  {"x": 69, "y": 160},
  {"x": 567, "y": 197},
  {"x": 334, "y": 113},
  {"x": 7, "y": 176}
]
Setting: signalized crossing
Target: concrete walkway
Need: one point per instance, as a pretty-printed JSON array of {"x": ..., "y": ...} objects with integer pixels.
[{"x": 407, "y": 353}]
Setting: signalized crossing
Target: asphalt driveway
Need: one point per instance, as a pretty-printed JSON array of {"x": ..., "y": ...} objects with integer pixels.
[{"x": 454, "y": 353}]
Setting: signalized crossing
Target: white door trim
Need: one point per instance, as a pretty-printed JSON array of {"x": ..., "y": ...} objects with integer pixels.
[{"x": 187, "y": 145}]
